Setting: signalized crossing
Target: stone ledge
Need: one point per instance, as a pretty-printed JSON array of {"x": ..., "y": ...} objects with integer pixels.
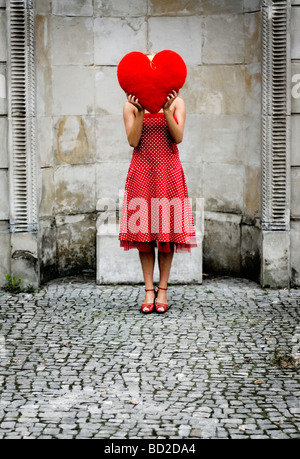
[
  {"x": 275, "y": 259},
  {"x": 114, "y": 265}
]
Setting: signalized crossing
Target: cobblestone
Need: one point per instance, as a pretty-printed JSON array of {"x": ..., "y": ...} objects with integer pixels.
[{"x": 79, "y": 360}]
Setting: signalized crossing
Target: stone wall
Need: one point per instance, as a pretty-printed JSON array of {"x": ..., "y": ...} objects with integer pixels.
[
  {"x": 82, "y": 148},
  {"x": 4, "y": 163},
  {"x": 83, "y": 155},
  {"x": 295, "y": 144}
]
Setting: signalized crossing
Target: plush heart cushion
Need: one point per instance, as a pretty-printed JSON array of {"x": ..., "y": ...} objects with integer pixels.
[{"x": 151, "y": 81}]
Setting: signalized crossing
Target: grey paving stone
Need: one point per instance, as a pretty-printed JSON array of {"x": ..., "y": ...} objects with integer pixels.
[{"x": 82, "y": 361}]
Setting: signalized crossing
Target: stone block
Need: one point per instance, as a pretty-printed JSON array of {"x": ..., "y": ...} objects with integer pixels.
[
  {"x": 47, "y": 192},
  {"x": 252, "y": 191},
  {"x": 2, "y": 3},
  {"x": 295, "y": 33},
  {"x": 109, "y": 96},
  {"x": 3, "y": 97},
  {"x": 75, "y": 189},
  {"x": 44, "y": 104},
  {"x": 114, "y": 265},
  {"x": 76, "y": 244},
  {"x": 222, "y": 6},
  {"x": 295, "y": 187},
  {"x": 251, "y": 5},
  {"x": 295, "y": 72},
  {"x": 3, "y": 43},
  {"x": 215, "y": 89},
  {"x": 3, "y": 143},
  {"x": 222, "y": 243},
  {"x": 4, "y": 195},
  {"x": 5, "y": 251},
  {"x": 74, "y": 139},
  {"x": 44, "y": 141},
  {"x": 191, "y": 148},
  {"x": 72, "y": 7},
  {"x": 115, "y": 37},
  {"x": 164, "y": 33},
  {"x": 43, "y": 66},
  {"x": 253, "y": 89},
  {"x": 43, "y": 6},
  {"x": 223, "y": 39},
  {"x": 127, "y": 8},
  {"x": 295, "y": 253},
  {"x": 222, "y": 139},
  {"x": 252, "y": 140},
  {"x": 47, "y": 249},
  {"x": 2, "y": 86},
  {"x": 77, "y": 36},
  {"x": 193, "y": 172},
  {"x": 111, "y": 141},
  {"x": 25, "y": 257},
  {"x": 250, "y": 252},
  {"x": 252, "y": 36},
  {"x": 295, "y": 140},
  {"x": 73, "y": 91},
  {"x": 275, "y": 259},
  {"x": 223, "y": 187},
  {"x": 175, "y": 7},
  {"x": 43, "y": 40},
  {"x": 110, "y": 180}
]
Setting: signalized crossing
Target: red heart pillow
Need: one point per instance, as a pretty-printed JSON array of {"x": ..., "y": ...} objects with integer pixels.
[{"x": 151, "y": 81}]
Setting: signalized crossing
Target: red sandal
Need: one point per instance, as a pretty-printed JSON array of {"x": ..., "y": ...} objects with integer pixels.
[
  {"x": 148, "y": 307},
  {"x": 161, "y": 307}
]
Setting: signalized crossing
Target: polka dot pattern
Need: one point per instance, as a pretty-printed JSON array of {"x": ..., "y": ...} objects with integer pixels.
[{"x": 156, "y": 204}]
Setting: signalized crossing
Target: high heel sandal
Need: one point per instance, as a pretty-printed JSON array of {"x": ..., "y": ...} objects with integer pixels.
[
  {"x": 148, "y": 307},
  {"x": 163, "y": 306}
]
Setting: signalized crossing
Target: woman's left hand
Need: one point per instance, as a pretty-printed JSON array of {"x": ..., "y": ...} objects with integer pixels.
[{"x": 170, "y": 99}]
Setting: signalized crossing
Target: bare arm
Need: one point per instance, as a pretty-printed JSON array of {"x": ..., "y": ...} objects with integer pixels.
[
  {"x": 133, "y": 114},
  {"x": 175, "y": 107}
]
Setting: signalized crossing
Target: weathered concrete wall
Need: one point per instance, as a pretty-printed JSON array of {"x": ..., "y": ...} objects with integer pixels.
[
  {"x": 83, "y": 152},
  {"x": 4, "y": 163},
  {"x": 295, "y": 144},
  {"x": 229, "y": 102}
]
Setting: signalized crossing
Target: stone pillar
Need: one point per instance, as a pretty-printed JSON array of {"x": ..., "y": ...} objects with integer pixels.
[
  {"x": 21, "y": 141},
  {"x": 275, "y": 240},
  {"x": 4, "y": 194},
  {"x": 275, "y": 261},
  {"x": 295, "y": 144}
]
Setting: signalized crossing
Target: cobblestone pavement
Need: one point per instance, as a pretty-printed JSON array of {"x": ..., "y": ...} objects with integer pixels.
[{"x": 81, "y": 361}]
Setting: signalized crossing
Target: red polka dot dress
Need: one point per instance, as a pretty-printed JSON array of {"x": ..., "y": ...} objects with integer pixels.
[{"x": 156, "y": 209}]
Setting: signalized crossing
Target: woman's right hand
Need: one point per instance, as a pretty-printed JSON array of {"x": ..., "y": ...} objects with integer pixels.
[{"x": 135, "y": 102}]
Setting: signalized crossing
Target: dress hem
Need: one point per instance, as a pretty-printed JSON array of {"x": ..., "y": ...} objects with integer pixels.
[{"x": 165, "y": 247}]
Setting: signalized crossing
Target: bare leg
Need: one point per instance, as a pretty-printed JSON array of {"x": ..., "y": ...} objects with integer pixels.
[
  {"x": 147, "y": 262},
  {"x": 164, "y": 264}
]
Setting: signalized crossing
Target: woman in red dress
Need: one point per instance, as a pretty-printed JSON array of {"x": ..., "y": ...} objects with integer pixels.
[{"x": 156, "y": 210}]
